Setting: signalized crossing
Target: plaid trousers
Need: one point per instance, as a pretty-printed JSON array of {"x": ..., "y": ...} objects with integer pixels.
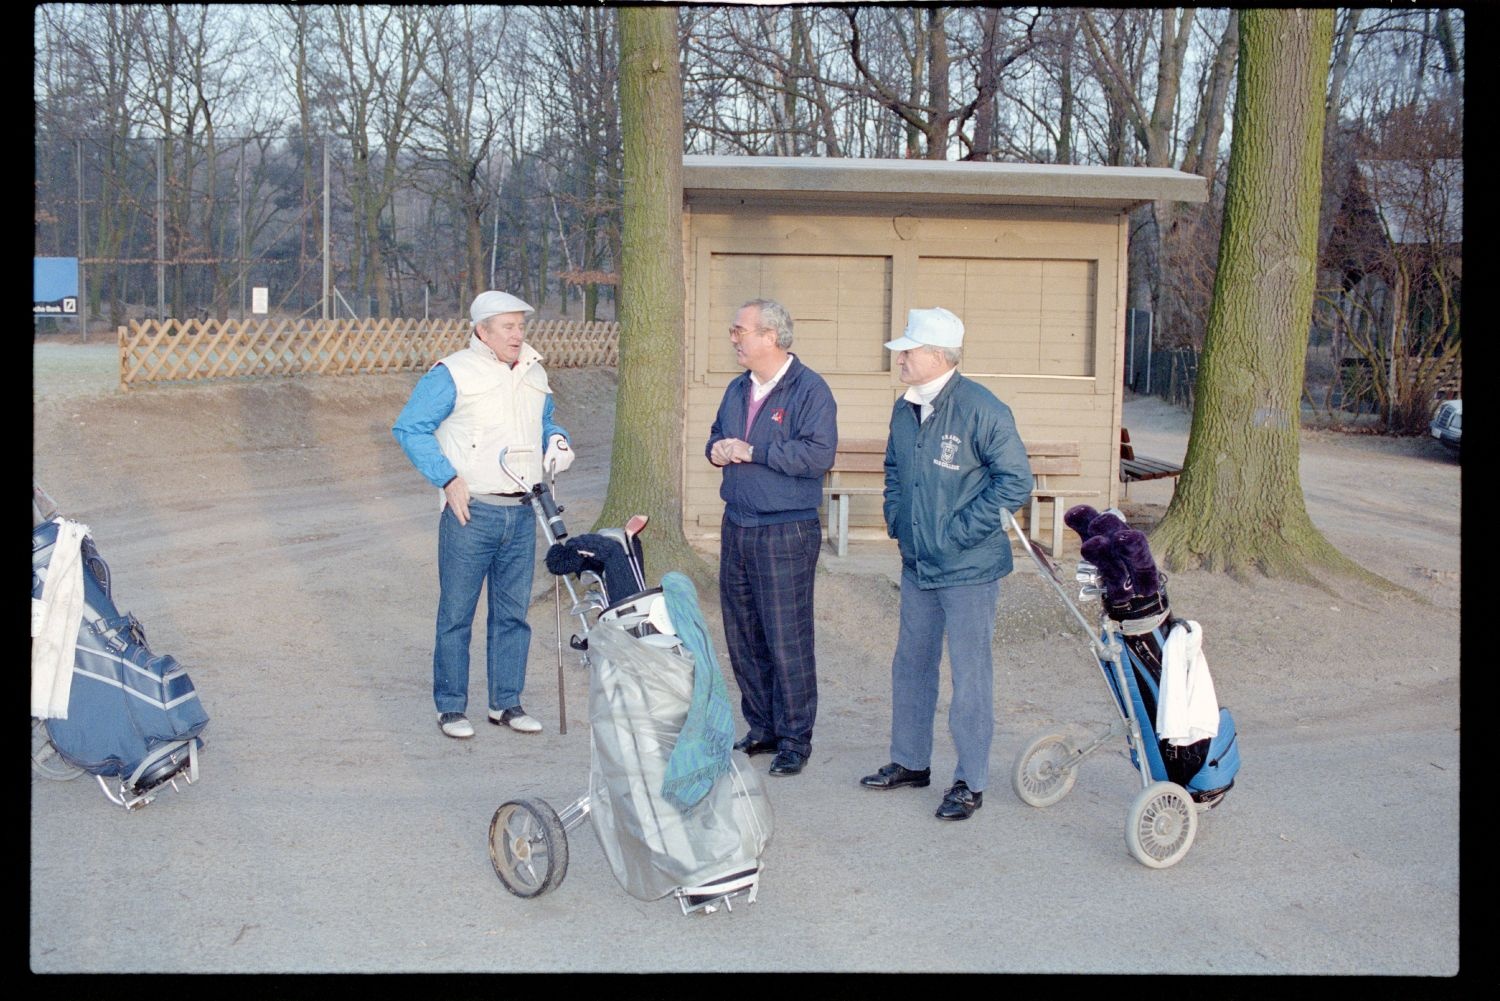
[{"x": 766, "y": 595}]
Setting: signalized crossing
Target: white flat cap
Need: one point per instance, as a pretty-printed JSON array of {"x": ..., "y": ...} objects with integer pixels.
[
  {"x": 487, "y": 304},
  {"x": 935, "y": 327}
]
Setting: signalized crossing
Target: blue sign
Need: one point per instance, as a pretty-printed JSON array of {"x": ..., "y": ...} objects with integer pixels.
[{"x": 54, "y": 286}]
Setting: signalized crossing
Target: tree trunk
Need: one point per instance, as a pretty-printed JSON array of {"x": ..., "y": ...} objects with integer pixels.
[
  {"x": 645, "y": 473},
  {"x": 937, "y": 85},
  {"x": 1239, "y": 505}
]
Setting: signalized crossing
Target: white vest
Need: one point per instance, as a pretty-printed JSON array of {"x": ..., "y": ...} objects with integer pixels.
[{"x": 497, "y": 407}]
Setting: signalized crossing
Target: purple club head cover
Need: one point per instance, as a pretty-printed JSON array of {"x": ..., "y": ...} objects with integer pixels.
[
  {"x": 1078, "y": 517},
  {"x": 1100, "y": 551},
  {"x": 1133, "y": 550},
  {"x": 1107, "y": 524}
]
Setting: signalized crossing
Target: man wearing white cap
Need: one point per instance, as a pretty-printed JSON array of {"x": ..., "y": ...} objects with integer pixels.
[
  {"x": 490, "y": 396},
  {"x": 953, "y": 464}
]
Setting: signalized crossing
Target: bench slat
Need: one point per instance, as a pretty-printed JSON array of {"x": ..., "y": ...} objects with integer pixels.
[
  {"x": 867, "y": 455},
  {"x": 1056, "y": 465},
  {"x": 1146, "y": 468},
  {"x": 859, "y": 463}
]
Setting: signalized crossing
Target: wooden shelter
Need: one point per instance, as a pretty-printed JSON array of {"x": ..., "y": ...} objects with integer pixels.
[{"x": 1032, "y": 258}]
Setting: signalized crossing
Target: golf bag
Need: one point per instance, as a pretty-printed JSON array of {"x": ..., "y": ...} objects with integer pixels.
[
  {"x": 131, "y": 714},
  {"x": 1205, "y": 768},
  {"x": 1134, "y": 594},
  {"x": 640, "y": 699}
]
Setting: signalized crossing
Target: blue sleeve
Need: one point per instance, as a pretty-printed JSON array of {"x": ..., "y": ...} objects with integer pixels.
[
  {"x": 548, "y": 428},
  {"x": 430, "y": 404},
  {"x": 893, "y": 491}
]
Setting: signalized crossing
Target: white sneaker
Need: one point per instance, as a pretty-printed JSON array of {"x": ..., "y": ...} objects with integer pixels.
[
  {"x": 515, "y": 718},
  {"x": 455, "y": 725}
]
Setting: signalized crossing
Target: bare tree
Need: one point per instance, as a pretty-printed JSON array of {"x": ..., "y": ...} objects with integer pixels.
[
  {"x": 378, "y": 53},
  {"x": 582, "y": 88},
  {"x": 460, "y": 119},
  {"x": 1394, "y": 260}
]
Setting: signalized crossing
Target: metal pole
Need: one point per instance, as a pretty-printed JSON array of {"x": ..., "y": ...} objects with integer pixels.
[
  {"x": 1150, "y": 322},
  {"x": 83, "y": 285},
  {"x": 242, "y": 233},
  {"x": 562, "y": 694},
  {"x": 161, "y": 231},
  {"x": 325, "y": 229}
]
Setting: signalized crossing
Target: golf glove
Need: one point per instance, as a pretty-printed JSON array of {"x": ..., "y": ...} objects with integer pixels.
[{"x": 558, "y": 456}]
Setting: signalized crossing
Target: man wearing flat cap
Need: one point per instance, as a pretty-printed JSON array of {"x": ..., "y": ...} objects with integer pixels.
[
  {"x": 953, "y": 464},
  {"x": 492, "y": 395}
]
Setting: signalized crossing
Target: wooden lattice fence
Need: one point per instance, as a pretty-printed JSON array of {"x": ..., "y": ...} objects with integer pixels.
[{"x": 185, "y": 350}]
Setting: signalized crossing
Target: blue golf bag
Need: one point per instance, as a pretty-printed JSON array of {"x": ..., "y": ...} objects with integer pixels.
[
  {"x": 1205, "y": 768},
  {"x": 132, "y": 715}
]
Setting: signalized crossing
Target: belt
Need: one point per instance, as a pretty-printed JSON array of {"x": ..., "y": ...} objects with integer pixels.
[{"x": 498, "y": 499}]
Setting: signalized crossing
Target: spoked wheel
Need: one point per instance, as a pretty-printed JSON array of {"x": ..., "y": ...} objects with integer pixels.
[
  {"x": 1161, "y": 825},
  {"x": 1044, "y": 771},
  {"x": 528, "y": 847},
  {"x": 45, "y": 759}
]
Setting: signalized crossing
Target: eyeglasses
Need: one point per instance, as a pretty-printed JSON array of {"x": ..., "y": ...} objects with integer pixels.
[{"x": 737, "y": 332}]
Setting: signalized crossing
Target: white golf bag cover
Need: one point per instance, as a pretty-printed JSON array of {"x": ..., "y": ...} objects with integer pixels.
[{"x": 638, "y": 698}]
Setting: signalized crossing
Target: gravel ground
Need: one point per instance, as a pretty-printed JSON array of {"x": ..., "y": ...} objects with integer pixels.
[{"x": 272, "y": 537}]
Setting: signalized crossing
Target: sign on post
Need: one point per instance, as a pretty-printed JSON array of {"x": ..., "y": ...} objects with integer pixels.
[
  {"x": 54, "y": 286},
  {"x": 260, "y": 300}
]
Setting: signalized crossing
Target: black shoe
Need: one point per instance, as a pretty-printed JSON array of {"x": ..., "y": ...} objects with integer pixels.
[
  {"x": 894, "y": 776},
  {"x": 960, "y": 802},
  {"x": 754, "y": 747},
  {"x": 788, "y": 763}
]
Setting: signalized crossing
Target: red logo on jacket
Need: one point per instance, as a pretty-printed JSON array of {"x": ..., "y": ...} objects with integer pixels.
[{"x": 777, "y": 415}]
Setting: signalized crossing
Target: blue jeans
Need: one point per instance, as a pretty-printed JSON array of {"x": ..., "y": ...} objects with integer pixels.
[
  {"x": 966, "y": 612},
  {"x": 498, "y": 545}
]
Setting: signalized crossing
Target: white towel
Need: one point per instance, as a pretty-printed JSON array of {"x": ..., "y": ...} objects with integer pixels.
[
  {"x": 1187, "y": 710},
  {"x": 55, "y": 631}
]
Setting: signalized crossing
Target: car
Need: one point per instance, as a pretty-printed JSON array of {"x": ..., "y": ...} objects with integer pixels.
[{"x": 1448, "y": 424}]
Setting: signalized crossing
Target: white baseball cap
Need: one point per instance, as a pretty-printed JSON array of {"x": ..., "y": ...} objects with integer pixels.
[
  {"x": 935, "y": 327},
  {"x": 487, "y": 304}
]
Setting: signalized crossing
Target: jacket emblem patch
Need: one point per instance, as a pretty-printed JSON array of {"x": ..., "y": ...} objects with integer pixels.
[
  {"x": 947, "y": 451},
  {"x": 778, "y": 414}
]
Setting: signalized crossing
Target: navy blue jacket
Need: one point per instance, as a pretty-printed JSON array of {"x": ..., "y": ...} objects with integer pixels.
[
  {"x": 794, "y": 440},
  {"x": 947, "y": 482}
]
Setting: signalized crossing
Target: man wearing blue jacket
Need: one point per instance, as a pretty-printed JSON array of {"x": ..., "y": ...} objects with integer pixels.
[
  {"x": 953, "y": 464},
  {"x": 774, "y": 436},
  {"x": 491, "y": 395}
]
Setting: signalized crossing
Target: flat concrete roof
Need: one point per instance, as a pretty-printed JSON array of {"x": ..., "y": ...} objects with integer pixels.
[{"x": 940, "y": 181}]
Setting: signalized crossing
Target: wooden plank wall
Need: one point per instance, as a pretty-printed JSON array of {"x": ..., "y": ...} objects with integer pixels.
[{"x": 1040, "y": 292}]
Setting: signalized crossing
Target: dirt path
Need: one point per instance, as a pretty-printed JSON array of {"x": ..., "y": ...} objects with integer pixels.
[{"x": 273, "y": 537}]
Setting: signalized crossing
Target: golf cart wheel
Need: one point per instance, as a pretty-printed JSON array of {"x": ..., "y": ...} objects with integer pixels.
[
  {"x": 528, "y": 847},
  {"x": 1044, "y": 771},
  {"x": 1161, "y": 825},
  {"x": 46, "y": 761}
]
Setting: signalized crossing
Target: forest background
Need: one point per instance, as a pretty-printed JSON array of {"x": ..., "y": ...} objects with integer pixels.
[{"x": 187, "y": 154}]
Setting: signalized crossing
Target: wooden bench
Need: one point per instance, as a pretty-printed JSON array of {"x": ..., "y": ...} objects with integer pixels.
[
  {"x": 1051, "y": 459},
  {"x": 1142, "y": 467},
  {"x": 854, "y": 455}
]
